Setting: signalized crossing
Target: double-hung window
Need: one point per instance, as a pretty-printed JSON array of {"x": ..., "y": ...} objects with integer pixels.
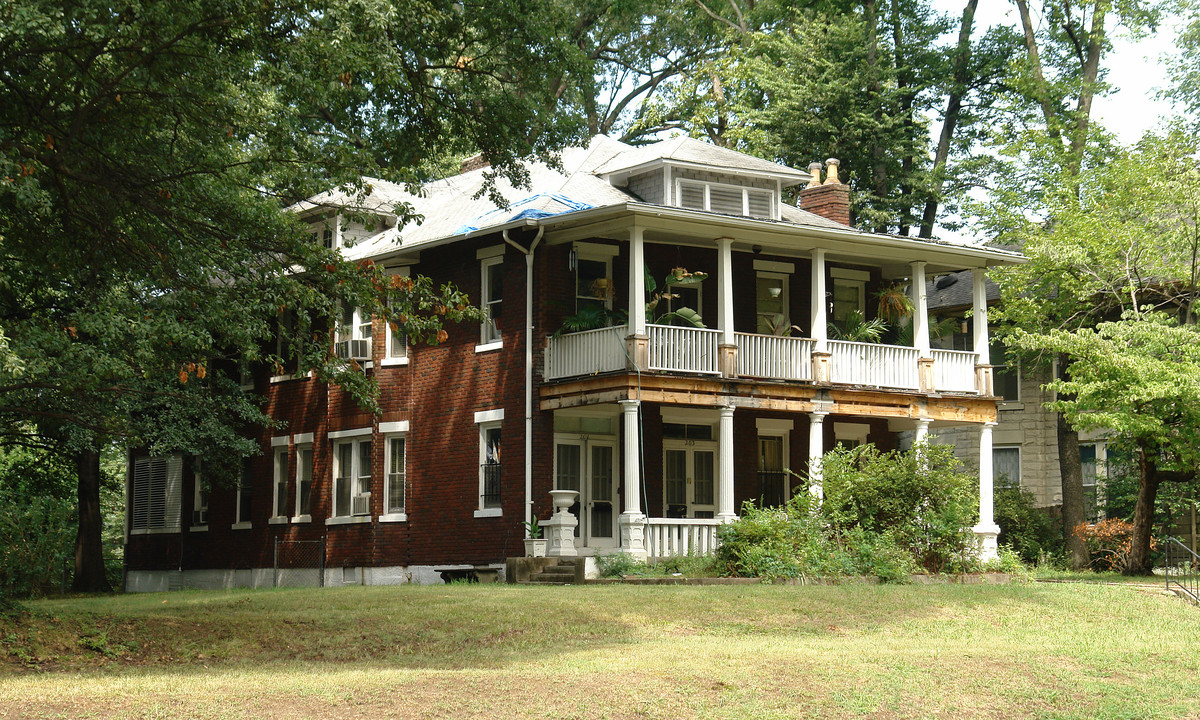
[
  {"x": 352, "y": 476},
  {"x": 245, "y": 488},
  {"x": 199, "y": 498},
  {"x": 396, "y": 347},
  {"x": 489, "y": 462},
  {"x": 304, "y": 475},
  {"x": 1006, "y": 467},
  {"x": 155, "y": 494},
  {"x": 849, "y": 296},
  {"x": 279, "y": 483},
  {"x": 354, "y": 335},
  {"x": 491, "y": 293}
]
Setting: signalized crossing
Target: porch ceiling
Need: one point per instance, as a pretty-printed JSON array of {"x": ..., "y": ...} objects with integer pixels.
[{"x": 756, "y": 395}]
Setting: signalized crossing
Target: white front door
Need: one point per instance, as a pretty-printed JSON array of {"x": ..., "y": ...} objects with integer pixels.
[
  {"x": 689, "y": 479},
  {"x": 588, "y": 465}
]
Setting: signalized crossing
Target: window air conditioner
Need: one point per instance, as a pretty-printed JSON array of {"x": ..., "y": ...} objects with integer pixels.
[
  {"x": 361, "y": 504},
  {"x": 354, "y": 350},
  {"x": 199, "y": 517}
]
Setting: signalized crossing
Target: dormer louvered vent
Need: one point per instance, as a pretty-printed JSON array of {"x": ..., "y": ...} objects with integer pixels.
[{"x": 726, "y": 199}]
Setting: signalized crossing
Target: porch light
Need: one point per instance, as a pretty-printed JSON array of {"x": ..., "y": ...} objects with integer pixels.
[
  {"x": 572, "y": 259},
  {"x": 775, "y": 291}
]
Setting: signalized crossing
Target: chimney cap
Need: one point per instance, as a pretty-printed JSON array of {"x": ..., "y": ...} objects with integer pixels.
[
  {"x": 814, "y": 169},
  {"x": 831, "y": 172}
]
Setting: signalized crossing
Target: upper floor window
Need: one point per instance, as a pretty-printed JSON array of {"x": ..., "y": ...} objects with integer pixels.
[
  {"x": 324, "y": 231},
  {"x": 396, "y": 350},
  {"x": 592, "y": 263},
  {"x": 1006, "y": 376},
  {"x": 849, "y": 296},
  {"x": 354, "y": 334},
  {"x": 727, "y": 199},
  {"x": 491, "y": 293}
]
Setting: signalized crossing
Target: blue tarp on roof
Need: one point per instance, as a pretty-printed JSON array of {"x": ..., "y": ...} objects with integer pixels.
[{"x": 527, "y": 214}]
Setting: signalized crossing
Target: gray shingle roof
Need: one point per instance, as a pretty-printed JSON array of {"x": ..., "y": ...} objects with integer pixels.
[{"x": 689, "y": 150}]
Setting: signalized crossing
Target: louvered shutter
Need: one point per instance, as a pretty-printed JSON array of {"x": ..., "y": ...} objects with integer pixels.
[
  {"x": 760, "y": 203},
  {"x": 691, "y": 196},
  {"x": 725, "y": 200}
]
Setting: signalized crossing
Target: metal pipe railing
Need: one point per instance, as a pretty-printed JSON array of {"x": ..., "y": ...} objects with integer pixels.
[{"x": 1182, "y": 568}]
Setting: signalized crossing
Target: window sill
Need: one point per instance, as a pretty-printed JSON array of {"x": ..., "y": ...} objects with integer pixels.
[
  {"x": 278, "y": 520},
  {"x": 153, "y": 531},
  {"x": 1011, "y": 405},
  {"x": 349, "y": 520},
  {"x": 198, "y": 528},
  {"x": 393, "y": 361},
  {"x": 241, "y": 526},
  {"x": 393, "y": 517},
  {"x": 302, "y": 519},
  {"x": 488, "y": 347},
  {"x": 489, "y": 512}
]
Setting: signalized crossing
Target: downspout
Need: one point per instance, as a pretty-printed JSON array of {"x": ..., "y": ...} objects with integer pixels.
[{"x": 528, "y": 253}]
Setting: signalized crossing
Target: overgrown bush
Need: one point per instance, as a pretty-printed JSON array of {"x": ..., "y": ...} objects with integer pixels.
[
  {"x": 884, "y": 514},
  {"x": 1029, "y": 531},
  {"x": 36, "y": 538}
]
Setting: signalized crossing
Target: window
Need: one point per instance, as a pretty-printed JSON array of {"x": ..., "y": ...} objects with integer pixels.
[
  {"x": 396, "y": 342},
  {"x": 1091, "y": 457},
  {"x": 304, "y": 470},
  {"x": 1006, "y": 467},
  {"x": 489, "y": 462},
  {"x": 354, "y": 335},
  {"x": 352, "y": 477},
  {"x": 245, "y": 487},
  {"x": 771, "y": 478},
  {"x": 849, "y": 298},
  {"x": 280, "y": 484},
  {"x": 727, "y": 199},
  {"x": 155, "y": 491},
  {"x": 679, "y": 297},
  {"x": 492, "y": 293},
  {"x": 850, "y": 435},
  {"x": 592, "y": 263},
  {"x": 1006, "y": 378},
  {"x": 395, "y": 487},
  {"x": 199, "y": 498},
  {"x": 323, "y": 231},
  {"x": 771, "y": 304}
]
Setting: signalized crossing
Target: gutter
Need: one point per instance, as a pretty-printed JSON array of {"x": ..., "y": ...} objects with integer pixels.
[{"x": 528, "y": 253}]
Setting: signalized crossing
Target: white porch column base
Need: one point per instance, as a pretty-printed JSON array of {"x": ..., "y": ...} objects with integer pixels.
[
  {"x": 633, "y": 535},
  {"x": 986, "y": 538}
]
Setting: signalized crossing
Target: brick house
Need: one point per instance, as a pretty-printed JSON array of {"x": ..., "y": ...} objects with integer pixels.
[{"x": 663, "y": 429}]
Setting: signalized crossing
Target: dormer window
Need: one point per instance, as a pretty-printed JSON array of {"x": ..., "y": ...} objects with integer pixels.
[{"x": 727, "y": 199}]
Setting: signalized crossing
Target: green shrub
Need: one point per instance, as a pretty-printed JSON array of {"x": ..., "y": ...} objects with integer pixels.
[
  {"x": 1028, "y": 530},
  {"x": 36, "y": 537},
  {"x": 619, "y": 564}
]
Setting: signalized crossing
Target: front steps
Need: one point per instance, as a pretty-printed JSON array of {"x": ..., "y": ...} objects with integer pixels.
[{"x": 544, "y": 571}]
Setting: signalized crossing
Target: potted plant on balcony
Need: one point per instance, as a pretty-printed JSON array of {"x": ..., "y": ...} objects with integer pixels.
[{"x": 535, "y": 544}]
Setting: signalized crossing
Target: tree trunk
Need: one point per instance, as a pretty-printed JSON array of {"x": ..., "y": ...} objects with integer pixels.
[
  {"x": 1087, "y": 86},
  {"x": 954, "y": 101},
  {"x": 874, "y": 90},
  {"x": 89, "y": 556},
  {"x": 1040, "y": 88},
  {"x": 1071, "y": 469},
  {"x": 1143, "y": 516}
]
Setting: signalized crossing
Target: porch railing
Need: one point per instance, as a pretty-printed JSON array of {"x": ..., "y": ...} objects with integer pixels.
[
  {"x": 585, "y": 353},
  {"x": 684, "y": 349},
  {"x": 954, "y": 370},
  {"x": 771, "y": 356},
  {"x": 856, "y": 363},
  {"x": 674, "y": 537}
]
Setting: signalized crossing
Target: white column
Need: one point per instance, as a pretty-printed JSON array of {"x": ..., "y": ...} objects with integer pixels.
[
  {"x": 819, "y": 321},
  {"x": 816, "y": 449},
  {"x": 922, "y": 431},
  {"x": 920, "y": 310},
  {"x": 725, "y": 509},
  {"x": 986, "y": 530},
  {"x": 637, "y": 283},
  {"x": 980, "y": 316},
  {"x": 633, "y": 522},
  {"x": 725, "y": 289}
]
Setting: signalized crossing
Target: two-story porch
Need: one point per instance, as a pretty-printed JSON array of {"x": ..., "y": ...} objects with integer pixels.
[{"x": 666, "y": 429}]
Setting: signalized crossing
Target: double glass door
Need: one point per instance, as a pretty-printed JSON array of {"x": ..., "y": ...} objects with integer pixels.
[
  {"x": 689, "y": 479},
  {"x": 588, "y": 465}
]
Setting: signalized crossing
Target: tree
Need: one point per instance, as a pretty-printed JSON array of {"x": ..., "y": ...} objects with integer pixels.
[
  {"x": 1112, "y": 284},
  {"x": 146, "y": 155}
]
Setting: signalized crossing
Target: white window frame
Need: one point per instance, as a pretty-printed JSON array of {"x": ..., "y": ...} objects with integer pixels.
[
  {"x": 391, "y": 432},
  {"x": 490, "y": 336},
  {"x": 707, "y": 185},
  {"x": 594, "y": 252},
  {"x": 856, "y": 279},
  {"x": 389, "y": 357},
  {"x": 279, "y": 479},
  {"x": 167, "y": 491},
  {"x": 245, "y": 486},
  {"x": 200, "y": 497},
  {"x": 304, "y": 474},
  {"x": 779, "y": 428},
  {"x": 356, "y": 439},
  {"x": 488, "y": 420},
  {"x": 784, "y": 296}
]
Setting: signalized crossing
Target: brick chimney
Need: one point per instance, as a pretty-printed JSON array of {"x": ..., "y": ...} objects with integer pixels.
[
  {"x": 830, "y": 199},
  {"x": 475, "y": 162}
]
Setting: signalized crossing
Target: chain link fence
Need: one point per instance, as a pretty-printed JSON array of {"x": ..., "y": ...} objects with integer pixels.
[{"x": 299, "y": 563}]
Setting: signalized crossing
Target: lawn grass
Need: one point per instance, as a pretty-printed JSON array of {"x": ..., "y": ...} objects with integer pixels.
[{"x": 612, "y": 651}]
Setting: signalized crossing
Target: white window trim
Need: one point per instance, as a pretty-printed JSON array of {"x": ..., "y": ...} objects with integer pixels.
[
  {"x": 354, "y": 438},
  {"x": 388, "y": 359},
  {"x": 487, "y": 420},
  {"x": 393, "y": 431},
  {"x": 594, "y": 252},
  {"x": 240, "y": 524},
  {"x": 197, "y": 484},
  {"x": 745, "y": 189},
  {"x": 785, "y": 299},
  {"x": 774, "y": 266},
  {"x": 772, "y": 427},
  {"x": 486, "y": 340},
  {"x": 279, "y": 476},
  {"x": 303, "y": 441}
]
